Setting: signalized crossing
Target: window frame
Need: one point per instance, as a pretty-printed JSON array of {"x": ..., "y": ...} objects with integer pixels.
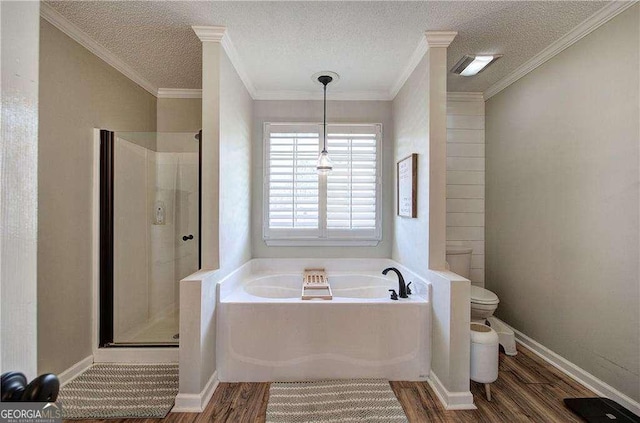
[{"x": 320, "y": 236}]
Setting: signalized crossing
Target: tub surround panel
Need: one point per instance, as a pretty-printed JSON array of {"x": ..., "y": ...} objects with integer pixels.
[
  {"x": 313, "y": 341},
  {"x": 358, "y": 334},
  {"x": 563, "y": 203}
]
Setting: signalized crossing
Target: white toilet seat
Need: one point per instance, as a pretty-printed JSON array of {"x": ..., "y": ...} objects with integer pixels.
[{"x": 483, "y": 296}]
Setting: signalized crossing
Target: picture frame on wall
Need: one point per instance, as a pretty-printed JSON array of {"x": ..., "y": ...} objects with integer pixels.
[{"x": 407, "y": 189}]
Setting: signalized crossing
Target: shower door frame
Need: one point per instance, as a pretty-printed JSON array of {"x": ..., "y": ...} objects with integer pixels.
[{"x": 106, "y": 243}]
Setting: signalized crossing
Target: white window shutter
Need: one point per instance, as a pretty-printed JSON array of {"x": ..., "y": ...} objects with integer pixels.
[
  {"x": 295, "y": 193},
  {"x": 352, "y": 186}
]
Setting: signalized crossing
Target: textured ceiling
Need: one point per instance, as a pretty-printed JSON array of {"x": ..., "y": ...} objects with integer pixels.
[{"x": 281, "y": 44}]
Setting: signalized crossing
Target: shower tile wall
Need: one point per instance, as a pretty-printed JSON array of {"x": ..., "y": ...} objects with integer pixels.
[
  {"x": 466, "y": 178},
  {"x": 150, "y": 256}
]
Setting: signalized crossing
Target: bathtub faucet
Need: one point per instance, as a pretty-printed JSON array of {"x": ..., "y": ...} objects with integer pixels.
[{"x": 402, "y": 288}]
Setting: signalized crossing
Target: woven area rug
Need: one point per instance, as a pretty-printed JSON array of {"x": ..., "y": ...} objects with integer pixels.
[
  {"x": 121, "y": 390},
  {"x": 333, "y": 401}
]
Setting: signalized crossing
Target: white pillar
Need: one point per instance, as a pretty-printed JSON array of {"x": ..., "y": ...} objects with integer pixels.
[
  {"x": 198, "y": 291},
  {"x": 211, "y": 37},
  {"x": 450, "y": 292},
  {"x": 437, "y": 42}
]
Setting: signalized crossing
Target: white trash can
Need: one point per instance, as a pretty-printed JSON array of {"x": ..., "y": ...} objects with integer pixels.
[{"x": 484, "y": 355}]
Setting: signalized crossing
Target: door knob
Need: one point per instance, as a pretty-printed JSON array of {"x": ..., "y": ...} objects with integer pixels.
[{"x": 187, "y": 237}]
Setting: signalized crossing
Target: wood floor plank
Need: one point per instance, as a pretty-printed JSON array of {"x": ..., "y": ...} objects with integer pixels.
[
  {"x": 412, "y": 405},
  {"x": 537, "y": 407},
  {"x": 528, "y": 370},
  {"x": 221, "y": 403},
  {"x": 503, "y": 407},
  {"x": 530, "y": 359},
  {"x": 552, "y": 396},
  {"x": 181, "y": 418},
  {"x": 528, "y": 390},
  {"x": 431, "y": 404}
]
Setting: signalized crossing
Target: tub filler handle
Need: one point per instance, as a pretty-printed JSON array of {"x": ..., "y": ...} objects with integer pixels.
[
  {"x": 394, "y": 296},
  {"x": 409, "y": 289}
]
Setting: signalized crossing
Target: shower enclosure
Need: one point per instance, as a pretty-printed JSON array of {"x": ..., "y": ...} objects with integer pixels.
[{"x": 149, "y": 233}]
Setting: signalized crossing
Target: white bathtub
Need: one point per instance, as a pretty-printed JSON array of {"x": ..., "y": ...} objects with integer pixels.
[{"x": 265, "y": 332}]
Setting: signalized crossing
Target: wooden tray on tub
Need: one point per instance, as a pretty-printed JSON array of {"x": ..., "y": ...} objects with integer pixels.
[{"x": 315, "y": 285}]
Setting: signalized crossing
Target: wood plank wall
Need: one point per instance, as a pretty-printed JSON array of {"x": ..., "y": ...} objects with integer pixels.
[{"x": 466, "y": 178}]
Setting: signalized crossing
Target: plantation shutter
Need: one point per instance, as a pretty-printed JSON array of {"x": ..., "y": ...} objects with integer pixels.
[
  {"x": 305, "y": 208},
  {"x": 292, "y": 179},
  {"x": 352, "y": 185}
]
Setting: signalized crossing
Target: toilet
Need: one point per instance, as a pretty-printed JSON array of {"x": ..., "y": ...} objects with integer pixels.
[{"x": 483, "y": 302}]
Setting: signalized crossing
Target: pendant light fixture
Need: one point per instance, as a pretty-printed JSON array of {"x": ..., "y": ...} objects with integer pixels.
[{"x": 324, "y": 162}]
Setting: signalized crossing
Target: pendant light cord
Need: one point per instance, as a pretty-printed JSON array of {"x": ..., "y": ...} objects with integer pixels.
[{"x": 324, "y": 144}]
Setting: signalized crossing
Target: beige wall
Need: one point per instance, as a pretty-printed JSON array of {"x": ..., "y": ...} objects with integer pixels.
[
  {"x": 562, "y": 203},
  {"x": 18, "y": 186},
  {"x": 337, "y": 112},
  {"x": 179, "y": 114},
  {"x": 78, "y": 92}
]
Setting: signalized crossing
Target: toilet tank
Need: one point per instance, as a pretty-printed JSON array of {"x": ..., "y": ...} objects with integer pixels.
[{"x": 459, "y": 260}]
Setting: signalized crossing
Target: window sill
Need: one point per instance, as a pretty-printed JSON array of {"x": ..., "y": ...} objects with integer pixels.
[{"x": 321, "y": 242}]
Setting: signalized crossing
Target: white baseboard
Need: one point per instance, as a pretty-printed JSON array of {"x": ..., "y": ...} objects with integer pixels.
[
  {"x": 73, "y": 371},
  {"x": 196, "y": 403},
  {"x": 451, "y": 400},
  {"x": 578, "y": 374},
  {"x": 136, "y": 355}
]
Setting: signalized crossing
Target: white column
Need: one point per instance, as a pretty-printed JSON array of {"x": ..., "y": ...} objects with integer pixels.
[
  {"x": 437, "y": 42},
  {"x": 211, "y": 37},
  {"x": 450, "y": 292},
  {"x": 197, "y": 291}
]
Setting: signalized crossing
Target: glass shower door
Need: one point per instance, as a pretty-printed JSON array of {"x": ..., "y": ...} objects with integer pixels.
[{"x": 155, "y": 233}]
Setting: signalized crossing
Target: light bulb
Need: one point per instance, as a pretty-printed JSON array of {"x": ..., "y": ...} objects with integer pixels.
[{"x": 324, "y": 163}]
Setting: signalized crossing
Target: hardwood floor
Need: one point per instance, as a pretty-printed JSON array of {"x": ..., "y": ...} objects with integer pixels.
[{"x": 527, "y": 390}]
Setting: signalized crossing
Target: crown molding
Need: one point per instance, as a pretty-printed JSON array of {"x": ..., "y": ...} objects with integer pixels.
[
  {"x": 439, "y": 38},
  {"x": 589, "y": 25},
  {"x": 416, "y": 57},
  {"x": 460, "y": 96},
  {"x": 179, "y": 93},
  {"x": 430, "y": 39},
  {"x": 234, "y": 57},
  {"x": 219, "y": 34},
  {"x": 209, "y": 33},
  {"x": 56, "y": 19},
  {"x": 317, "y": 95}
]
